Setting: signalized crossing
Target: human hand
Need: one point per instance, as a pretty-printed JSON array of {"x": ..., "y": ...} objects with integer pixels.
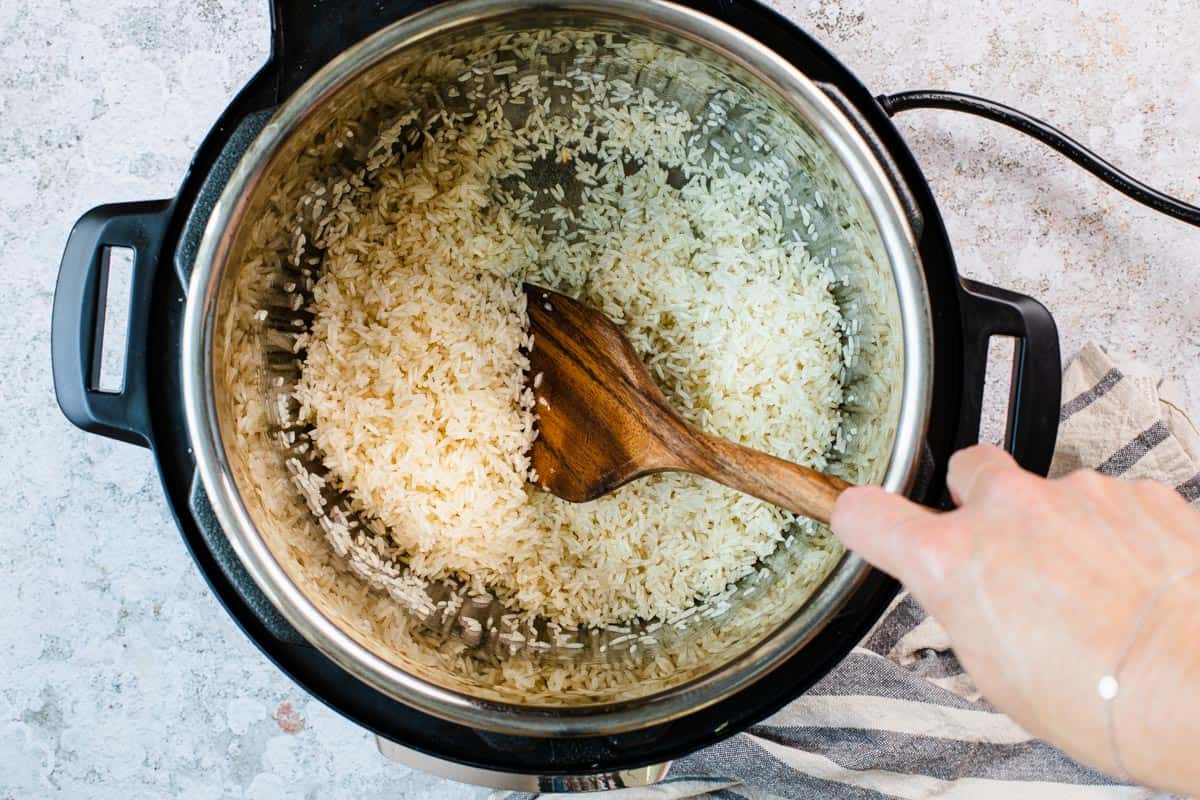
[{"x": 1040, "y": 585}]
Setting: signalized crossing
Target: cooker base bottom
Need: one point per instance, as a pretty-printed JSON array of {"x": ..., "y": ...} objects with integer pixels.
[{"x": 521, "y": 781}]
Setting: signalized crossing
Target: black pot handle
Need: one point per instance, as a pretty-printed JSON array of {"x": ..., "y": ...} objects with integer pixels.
[
  {"x": 1036, "y": 391},
  {"x": 77, "y": 323}
]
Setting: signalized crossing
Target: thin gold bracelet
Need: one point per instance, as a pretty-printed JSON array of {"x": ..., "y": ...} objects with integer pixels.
[{"x": 1109, "y": 686}]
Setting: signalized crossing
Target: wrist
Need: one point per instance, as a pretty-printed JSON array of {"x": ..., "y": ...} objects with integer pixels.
[{"x": 1156, "y": 716}]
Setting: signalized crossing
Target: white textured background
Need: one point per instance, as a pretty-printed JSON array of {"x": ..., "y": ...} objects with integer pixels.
[{"x": 121, "y": 677}]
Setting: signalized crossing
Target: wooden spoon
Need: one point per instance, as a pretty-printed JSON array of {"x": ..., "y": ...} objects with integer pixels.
[{"x": 602, "y": 421}]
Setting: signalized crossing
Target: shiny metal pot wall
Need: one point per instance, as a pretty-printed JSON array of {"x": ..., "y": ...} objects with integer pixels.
[{"x": 427, "y": 650}]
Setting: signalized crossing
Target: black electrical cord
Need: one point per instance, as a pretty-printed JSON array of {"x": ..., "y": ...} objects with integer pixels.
[{"x": 1048, "y": 135}]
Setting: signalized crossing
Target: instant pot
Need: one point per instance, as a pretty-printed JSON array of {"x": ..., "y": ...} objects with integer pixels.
[{"x": 186, "y": 254}]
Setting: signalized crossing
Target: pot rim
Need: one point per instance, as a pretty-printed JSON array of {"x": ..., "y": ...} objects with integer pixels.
[{"x": 542, "y": 721}]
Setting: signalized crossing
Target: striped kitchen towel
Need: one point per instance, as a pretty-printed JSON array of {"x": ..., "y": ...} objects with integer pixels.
[
  {"x": 1114, "y": 400},
  {"x": 899, "y": 718}
]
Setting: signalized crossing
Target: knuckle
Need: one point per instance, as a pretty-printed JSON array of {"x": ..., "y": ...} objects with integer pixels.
[
  {"x": 1000, "y": 482},
  {"x": 975, "y": 453},
  {"x": 1085, "y": 480},
  {"x": 944, "y": 552},
  {"x": 1155, "y": 492},
  {"x": 911, "y": 527},
  {"x": 989, "y": 449}
]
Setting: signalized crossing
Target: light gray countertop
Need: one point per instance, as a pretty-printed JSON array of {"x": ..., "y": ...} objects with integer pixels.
[{"x": 120, "y": 675}]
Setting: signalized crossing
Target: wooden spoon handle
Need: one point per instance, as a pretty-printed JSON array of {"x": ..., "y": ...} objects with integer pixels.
[{"x": 797, "y": 488}]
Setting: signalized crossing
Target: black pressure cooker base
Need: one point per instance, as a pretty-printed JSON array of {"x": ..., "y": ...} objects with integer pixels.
[
  {"x": 306, "y": 34},
  {"x": 386, "y": 717}
]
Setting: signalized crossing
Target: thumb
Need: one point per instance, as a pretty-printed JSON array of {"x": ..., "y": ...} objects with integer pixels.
[{"x": 888, "y": 530}]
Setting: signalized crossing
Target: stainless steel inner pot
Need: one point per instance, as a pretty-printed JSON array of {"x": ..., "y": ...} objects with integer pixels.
[{"x": 427, "y": 645}]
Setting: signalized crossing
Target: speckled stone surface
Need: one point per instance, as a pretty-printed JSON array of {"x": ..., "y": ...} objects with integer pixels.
[{"x": 121, "y": 677}]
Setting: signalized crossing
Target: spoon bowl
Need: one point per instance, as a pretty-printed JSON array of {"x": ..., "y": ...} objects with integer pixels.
[{"x": 603, "y": 422}]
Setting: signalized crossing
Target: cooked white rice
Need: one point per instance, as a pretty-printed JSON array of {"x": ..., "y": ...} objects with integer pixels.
[
  {"x": 415, "y": 385},
  {"x": 324, "y": 187}
]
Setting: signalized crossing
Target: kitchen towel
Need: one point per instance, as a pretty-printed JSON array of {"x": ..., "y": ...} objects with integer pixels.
[{"x": 899, "y": 718}]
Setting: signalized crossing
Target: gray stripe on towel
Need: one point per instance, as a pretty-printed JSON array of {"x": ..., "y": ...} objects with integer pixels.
[
  {"x": 1190, "y": 489},
  {"x": 945, "y": 759},
  {"x": 740, "y": 757},
  {"x": 871, "y": 676},
  {"x": 1084, "y": 399},
  {"x": 1120, "y": 462},
  {"x": 935, "y": 664},
  {"x": 907, "y": 615}
]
